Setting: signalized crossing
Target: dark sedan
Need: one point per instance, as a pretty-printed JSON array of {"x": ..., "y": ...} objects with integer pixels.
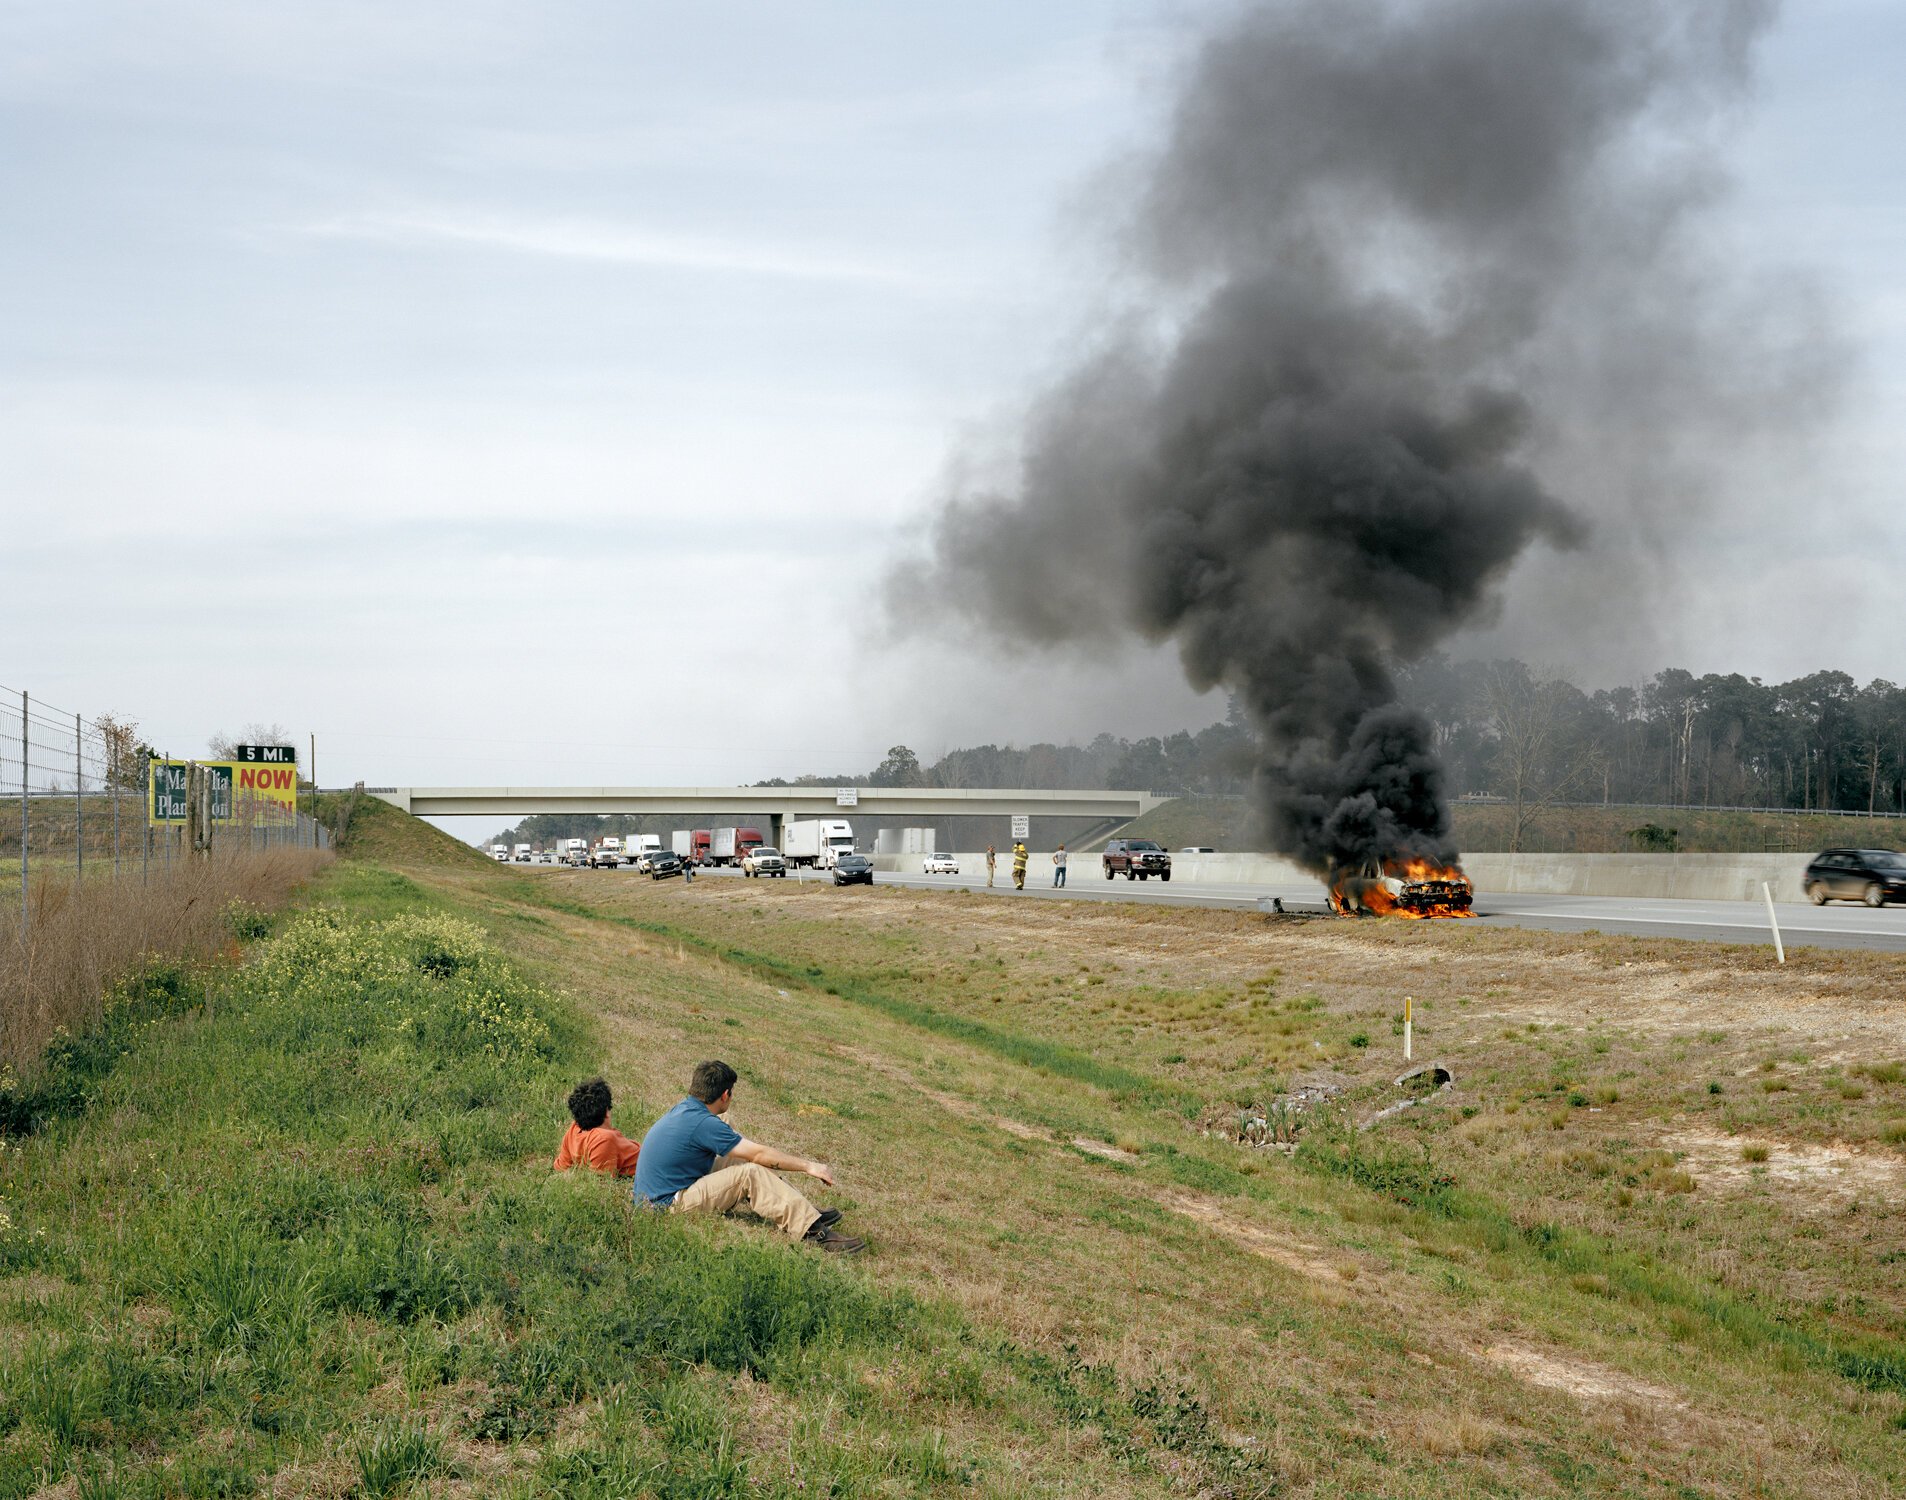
[
  {"x": 852, "y": 869},
  {"x": 1874, "y": 876},
  {"x": 662, "y": 864}
]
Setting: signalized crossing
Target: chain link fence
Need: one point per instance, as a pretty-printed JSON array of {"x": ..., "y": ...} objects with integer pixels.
[
  {"x": 77, "y": 805},
  {"x": 113, "y": 860}
]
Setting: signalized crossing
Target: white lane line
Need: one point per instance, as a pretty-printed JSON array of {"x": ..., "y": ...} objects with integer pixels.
[{"x": 1674, "y": 921}]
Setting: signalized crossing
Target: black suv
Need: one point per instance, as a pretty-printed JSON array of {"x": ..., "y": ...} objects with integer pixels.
[
  {"x": 1137, "y": 858},
  {"x": 1874, "y": 876}
]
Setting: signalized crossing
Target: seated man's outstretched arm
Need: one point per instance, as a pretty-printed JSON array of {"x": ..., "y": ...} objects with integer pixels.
[{"x": 780, "y": 1161}]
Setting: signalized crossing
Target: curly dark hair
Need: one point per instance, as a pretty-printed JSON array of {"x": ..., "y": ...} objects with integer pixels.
[{"x": 589, "y": 1103}]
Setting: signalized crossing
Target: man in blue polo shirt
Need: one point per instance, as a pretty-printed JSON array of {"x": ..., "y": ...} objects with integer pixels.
[{"x": 693, "y": 1161}]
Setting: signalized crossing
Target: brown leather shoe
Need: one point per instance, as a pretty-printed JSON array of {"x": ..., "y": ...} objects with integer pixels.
[{"x": 839, "y": 1244}]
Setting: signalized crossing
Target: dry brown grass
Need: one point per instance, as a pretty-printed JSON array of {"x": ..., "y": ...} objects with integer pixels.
[{"x": 80, "y": 939}]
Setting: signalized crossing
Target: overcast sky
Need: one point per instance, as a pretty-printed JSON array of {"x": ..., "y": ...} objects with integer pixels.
[{"x": 535, "y": 393}]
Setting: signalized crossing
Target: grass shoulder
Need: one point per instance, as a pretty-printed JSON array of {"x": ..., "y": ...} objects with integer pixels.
[{"x": 295, "y": 1228}]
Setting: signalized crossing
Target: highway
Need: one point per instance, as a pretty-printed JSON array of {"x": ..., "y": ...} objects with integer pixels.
[{"x": 1832, "y": 926}]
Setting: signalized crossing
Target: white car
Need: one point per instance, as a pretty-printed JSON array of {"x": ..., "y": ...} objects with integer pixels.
[
  {"x": 941, "y": 864},
  {"x": 761, "y": 860},
  {"x": 1197, "y": 849}
]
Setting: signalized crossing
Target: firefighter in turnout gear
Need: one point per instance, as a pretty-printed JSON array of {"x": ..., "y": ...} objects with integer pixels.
[{"x": 1019, "y": 866}]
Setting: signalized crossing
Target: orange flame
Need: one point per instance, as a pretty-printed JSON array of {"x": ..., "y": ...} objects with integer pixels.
[{"x": 1414, "y": 888}]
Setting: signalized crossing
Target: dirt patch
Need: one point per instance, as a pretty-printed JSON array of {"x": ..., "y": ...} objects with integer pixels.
[
  {"x": 1100, "y": 1148},
  {"x": 951, "y": 1103},
  {"x": 30, "y": 1287},
  {"x": 1836, "y": 1170},
  {"x": 1288, "y": 1251},
  {"x": 1582, "y": 1378}
]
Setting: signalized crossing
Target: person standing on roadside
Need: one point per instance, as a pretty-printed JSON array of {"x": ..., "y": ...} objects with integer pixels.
[
  {"x": 1019, "y": 866},
  {"x": 1059, "y": 867},
  {"x": 688, "y": 870},
  {"x": 992, "y": 860}
]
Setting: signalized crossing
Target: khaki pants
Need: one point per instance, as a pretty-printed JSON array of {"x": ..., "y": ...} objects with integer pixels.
[{"x": 755, "y": 1188}]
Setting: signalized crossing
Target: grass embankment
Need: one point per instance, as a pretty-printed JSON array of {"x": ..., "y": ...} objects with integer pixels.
[
  {"x": 304, "y": 1239},
  {"x": 288, "y": 1227},
  {"x": 1226, "y": 823},
  {"x": 1651, "y": 1241},
  {"x": 373, "y": 831}
]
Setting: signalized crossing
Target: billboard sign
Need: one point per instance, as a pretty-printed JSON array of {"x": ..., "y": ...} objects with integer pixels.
[
  {"x": 249, "y": 791},
  {"x": 166, "y": 779}
]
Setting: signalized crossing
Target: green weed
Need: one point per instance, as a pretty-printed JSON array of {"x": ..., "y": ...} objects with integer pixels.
[{"x": 397, "y": 1456}]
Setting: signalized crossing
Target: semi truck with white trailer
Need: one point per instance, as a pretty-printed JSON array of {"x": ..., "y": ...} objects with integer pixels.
[
  {"x": 575, "y": 851},
  {"x": 816, "y": 841},
  {"x": 728, "y": 844}
]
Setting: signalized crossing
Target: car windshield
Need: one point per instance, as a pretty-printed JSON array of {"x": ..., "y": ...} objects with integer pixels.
[
  {"x": 1885, "y": 859},
  {"x": 764, "y": 850},
  {"x": 1142, "y": 845}
]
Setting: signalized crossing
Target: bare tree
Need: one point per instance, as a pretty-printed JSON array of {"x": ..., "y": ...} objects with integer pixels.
[
  {"x": 225, "y": 747},
  {"x": 1539, "y": 758},
  {"x": 125, "y": 753}
]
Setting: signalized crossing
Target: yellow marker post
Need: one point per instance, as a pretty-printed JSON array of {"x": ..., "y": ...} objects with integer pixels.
[{"x": 1407, "y": 1039}]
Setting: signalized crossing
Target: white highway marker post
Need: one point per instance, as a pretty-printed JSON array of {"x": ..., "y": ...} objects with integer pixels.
[
  {"x": 1780, "y": 950},
  {"x": 1408, "y": 1040}
]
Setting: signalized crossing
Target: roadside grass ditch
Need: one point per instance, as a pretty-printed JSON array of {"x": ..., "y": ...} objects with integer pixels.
[
  {"x": 289, "y": 1221},
  {"x": 1412, "y": 1166}
]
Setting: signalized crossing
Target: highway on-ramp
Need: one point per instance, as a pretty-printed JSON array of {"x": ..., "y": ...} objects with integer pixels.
[{"x": 1832, "y": 926}]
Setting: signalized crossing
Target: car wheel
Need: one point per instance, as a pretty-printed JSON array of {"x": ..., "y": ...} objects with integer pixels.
[
  {"x": 1876, "y": 894},
  {"x": 1143, "y": 873},
  {"x": 1108, "y": 873},
  {"x": 1817, "y": 894},
  {"x": 1166, "y": 875}
]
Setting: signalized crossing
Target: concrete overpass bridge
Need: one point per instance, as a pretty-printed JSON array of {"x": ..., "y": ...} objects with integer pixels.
[{"x": 777, "y": 803}]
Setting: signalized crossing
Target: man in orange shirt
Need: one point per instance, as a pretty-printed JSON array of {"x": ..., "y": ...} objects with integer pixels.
[{"x": 590, "y": 1140}]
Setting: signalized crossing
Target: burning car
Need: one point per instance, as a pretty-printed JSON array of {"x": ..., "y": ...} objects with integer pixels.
[{"x": 1413, "y": 888}]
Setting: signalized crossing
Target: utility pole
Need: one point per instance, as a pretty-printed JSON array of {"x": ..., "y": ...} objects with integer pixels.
[
  {"x": 79, "y": 802},
  {"x": 25, "y": 743}
]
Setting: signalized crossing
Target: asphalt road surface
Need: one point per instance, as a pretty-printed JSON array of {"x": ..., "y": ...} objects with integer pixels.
[{"x": 1832, "y": 926}]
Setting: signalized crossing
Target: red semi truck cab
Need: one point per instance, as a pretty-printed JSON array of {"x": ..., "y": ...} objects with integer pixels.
[
  {"x": 698, "y": 843},
  {"x": 746, "y": 839}
]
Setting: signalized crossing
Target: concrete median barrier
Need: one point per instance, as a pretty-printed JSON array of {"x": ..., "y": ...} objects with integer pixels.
[{"x": 1687, "y": 877}]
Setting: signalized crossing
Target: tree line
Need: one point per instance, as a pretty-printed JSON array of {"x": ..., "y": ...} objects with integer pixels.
[{"x": 1531, "y": 738}]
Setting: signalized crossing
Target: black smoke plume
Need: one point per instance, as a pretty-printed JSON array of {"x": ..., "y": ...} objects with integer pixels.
[{"x": 1373, "y": 231}]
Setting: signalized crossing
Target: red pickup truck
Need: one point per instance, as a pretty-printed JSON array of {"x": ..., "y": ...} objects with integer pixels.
[{"x": 1136, "y": 858}]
